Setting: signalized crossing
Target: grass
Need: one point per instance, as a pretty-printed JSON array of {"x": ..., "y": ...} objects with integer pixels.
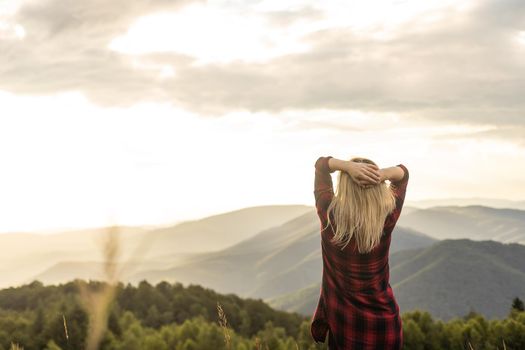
[
  {"x": 472, "y": 348},
  {"x": 65, "y": 327},
  {"x": 97, "y": 302},
  {"x": 223, "y": 322}
]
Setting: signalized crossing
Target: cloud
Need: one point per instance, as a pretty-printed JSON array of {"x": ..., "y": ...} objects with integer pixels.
[
  {"x": 465, "y": 66},
  {"x": 284, "y": 18},
  {"x": 512, "y": 133},
  {"x": 66, "y": 48}
]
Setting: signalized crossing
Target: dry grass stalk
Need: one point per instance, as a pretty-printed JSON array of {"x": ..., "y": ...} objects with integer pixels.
[
  {"x": 97, "y": 302},
  {"x": 470, "y": 346},
  {"x": 257, "y": 343},
  {"x": 223, "y": 322},
  {"x": 16, "y": 347},
  {"x": 65, "y": 327},
  {"x": 296, "y": 346}
]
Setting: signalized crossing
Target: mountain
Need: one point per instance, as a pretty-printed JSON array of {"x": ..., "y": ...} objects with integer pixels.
[
  {"x": 88, "y": 270},
  {"x": 283, "y": 263},
  {"x": 274, "y": 262},
  {"x": 473, "y": 222},
  {"x": 303, "y": 301},
  {"x": 26, "y": 256},
  {"x": 448, "y": 279},
  {"x": 217, "y": 232},
  {"x": 486, "y": 202},
  {"x": 27, "y": 244}
]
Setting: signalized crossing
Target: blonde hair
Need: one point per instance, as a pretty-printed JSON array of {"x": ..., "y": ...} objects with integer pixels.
[{"x": 359, "y": 212}]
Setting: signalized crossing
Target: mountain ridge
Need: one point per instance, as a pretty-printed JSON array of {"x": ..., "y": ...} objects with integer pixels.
[{"x": 448, "y": 278}]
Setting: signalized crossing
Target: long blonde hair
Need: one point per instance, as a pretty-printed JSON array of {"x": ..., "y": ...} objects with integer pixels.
[{"x": 359, "y": 212}]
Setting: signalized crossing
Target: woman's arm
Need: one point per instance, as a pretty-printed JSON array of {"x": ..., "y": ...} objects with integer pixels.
[
  {"x": 398, "y": 176},
  {"x": 393, "y": 174},
  {"x": 323, "y": 187}
]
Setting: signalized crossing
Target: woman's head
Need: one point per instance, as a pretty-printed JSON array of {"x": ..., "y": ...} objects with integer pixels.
[{"x": 358, "y": 211}]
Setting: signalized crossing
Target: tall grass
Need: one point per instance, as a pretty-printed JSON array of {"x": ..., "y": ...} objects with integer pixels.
[
  {"x": 97, "y": 300},
  {"x": 472, "y": 348},
  {"x": 65, "y": 327},
  {"x": 223, "y": 322}
]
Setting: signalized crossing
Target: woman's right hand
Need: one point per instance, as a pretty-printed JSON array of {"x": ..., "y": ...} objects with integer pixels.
[{"x": 364, "y": 174}]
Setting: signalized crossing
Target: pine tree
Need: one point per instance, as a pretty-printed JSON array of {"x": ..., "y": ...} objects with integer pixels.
[{"x": 517, "y": 304}]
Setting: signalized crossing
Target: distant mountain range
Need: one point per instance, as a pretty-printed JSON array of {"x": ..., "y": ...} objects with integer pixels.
[
  {"x": 486, "y": 202},
  {"x": 474, "y": 222},
  {"x": 273, "y": 252},
  {"x": 220, "y": 231},
  {"x": 448, "y": 279},
  {"x": 26, "y": 256},
  {"x": 274, "y": 262}
]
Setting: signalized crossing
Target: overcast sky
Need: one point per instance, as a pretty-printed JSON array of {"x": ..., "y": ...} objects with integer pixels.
[{"x": 157, "y": 111}]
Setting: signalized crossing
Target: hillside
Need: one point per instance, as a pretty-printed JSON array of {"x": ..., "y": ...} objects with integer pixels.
[
  {"x": 486, "y": 202},
  {"x": 32, "y": 315},
  {"x": 24, "y": 255},
  {"x": 448, "y": 278},
  {"x": 27, "y": 256},
  {"x": 473, "y": 222},
  {"x": 274, "y": 262},
  {"x": 217, "y": 232},
  {"x": 285, "y": 259},
  {"x": 173, "y": 316}
]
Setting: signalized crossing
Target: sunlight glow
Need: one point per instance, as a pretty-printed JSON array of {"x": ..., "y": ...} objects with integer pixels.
[
  {"x": 163, "y": 71},
  {"x": 9, "y": 30},
  {"x": 83, "y": 164},
  {"x": 209, "y": 34},
  {"x": 69, "y": 163},
  {"x": 218, "y": 33},
  {"x": 521, "y": 37}
]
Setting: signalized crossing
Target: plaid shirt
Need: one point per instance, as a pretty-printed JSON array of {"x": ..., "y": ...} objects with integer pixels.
[{"x": 356, "y": 306}]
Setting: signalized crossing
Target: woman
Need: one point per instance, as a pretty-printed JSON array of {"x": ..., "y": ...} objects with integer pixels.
[{"x": 356, "y": 307}]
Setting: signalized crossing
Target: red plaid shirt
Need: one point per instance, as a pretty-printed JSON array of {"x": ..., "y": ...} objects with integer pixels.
[{"x": 356, "y": 306}]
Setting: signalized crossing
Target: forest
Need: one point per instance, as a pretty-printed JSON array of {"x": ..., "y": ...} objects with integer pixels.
[{"x": 173, "y": 316}]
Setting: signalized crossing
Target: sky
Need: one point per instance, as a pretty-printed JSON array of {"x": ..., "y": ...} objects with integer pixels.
[{"x": 151, "y": 112}]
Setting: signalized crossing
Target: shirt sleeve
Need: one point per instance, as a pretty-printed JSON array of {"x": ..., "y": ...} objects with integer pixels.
[
  {"x": 323, "y": 187},
  {"x": 399, "y": 188}
]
